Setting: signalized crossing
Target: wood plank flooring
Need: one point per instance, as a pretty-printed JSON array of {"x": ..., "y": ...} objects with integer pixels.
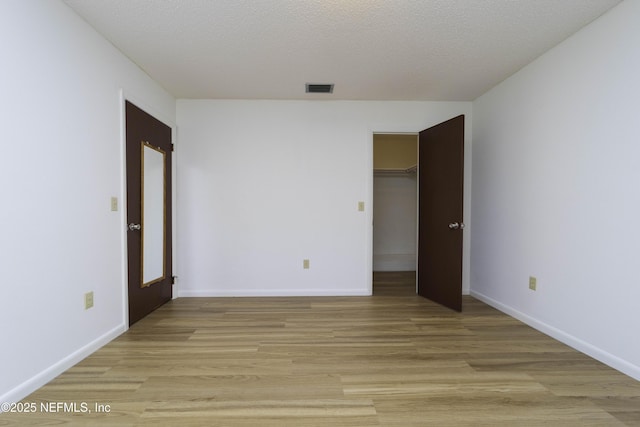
[{"x": 394, "y": 359}]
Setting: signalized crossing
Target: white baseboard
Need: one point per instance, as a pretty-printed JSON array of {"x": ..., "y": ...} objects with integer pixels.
[
  {"x": 582, "y": 346},
  {"x": 208, "y": 293},
  {"x": 42, "y": 378}
]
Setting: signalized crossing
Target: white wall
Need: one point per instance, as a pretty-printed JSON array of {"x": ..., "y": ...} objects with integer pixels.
[
  {"x": 556, "y": 191},
  {"x": 265, "y": 184},
  {"x": 61, "y": 163},
  {"x": 395, "y": 210}
]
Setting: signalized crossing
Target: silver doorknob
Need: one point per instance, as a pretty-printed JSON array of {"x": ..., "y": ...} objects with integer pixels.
[
  {"x": 133, "y": 226},
  {"x": 454, "y": 226}
]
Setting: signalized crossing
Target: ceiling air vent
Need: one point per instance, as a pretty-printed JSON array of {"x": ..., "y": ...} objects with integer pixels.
[{"x": 319, "y": 88}]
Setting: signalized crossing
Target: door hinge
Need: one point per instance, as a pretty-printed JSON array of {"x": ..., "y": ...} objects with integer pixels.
[
  {"x": 172, "y": 147},
  {"x": 173, "y": 279}
]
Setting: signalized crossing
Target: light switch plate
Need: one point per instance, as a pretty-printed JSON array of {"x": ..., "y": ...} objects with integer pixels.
[
  {"x": 533, "y": 283},
  {"x": 88, "y": 300},
  {"x": 114, "y": 204},
  {"x": 305, "y": 264},
  {"x": 361, "y": 206}
]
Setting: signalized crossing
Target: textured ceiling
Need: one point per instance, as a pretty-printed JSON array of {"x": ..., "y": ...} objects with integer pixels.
[{"x": 438, "y": 50}]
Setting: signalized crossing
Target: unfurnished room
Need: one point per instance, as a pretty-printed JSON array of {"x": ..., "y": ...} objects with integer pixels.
[{"x": 320, "y": 213}]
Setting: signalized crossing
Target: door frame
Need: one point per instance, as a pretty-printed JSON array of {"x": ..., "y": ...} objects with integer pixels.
[
  {"x": 124, "y": 96},
  {"x": 415, "y": 129}
]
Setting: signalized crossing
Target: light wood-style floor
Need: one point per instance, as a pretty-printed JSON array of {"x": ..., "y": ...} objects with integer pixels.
[{"x": 393, "y": 359}]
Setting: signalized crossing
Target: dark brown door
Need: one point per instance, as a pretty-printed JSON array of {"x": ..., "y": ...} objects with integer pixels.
[
  {"x": 145, "y": 133},
  {"x": 440, "y": 198}
]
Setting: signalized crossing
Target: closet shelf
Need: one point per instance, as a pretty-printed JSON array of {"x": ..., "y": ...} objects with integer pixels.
[{"x": 397, "y": 171}]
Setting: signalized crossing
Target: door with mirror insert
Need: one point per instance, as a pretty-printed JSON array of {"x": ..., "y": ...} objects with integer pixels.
[{"x": 148, "y": 150}]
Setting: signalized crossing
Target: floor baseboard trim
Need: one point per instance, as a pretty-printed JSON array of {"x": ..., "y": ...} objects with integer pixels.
[
  {"x": 42, "y": 378},
  {"x": 274, "y": 293},
  {"x": 597, "y": 353}
]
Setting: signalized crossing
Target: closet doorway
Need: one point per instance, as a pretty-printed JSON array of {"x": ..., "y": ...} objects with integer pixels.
[{"x": 395, "y": 213}]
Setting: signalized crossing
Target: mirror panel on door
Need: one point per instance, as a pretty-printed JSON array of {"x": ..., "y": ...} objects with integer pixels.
[{"x": 153, "y": 214}]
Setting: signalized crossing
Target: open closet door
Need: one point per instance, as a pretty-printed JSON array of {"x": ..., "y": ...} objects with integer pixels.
[{"x": 440, "y": 193}]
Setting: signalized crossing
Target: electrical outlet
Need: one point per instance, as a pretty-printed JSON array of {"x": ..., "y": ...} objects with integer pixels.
[
  {"x": 533, "y": 283},
  {"x": 305, "y": 264},
  {"x": 88, "y": 300}
]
